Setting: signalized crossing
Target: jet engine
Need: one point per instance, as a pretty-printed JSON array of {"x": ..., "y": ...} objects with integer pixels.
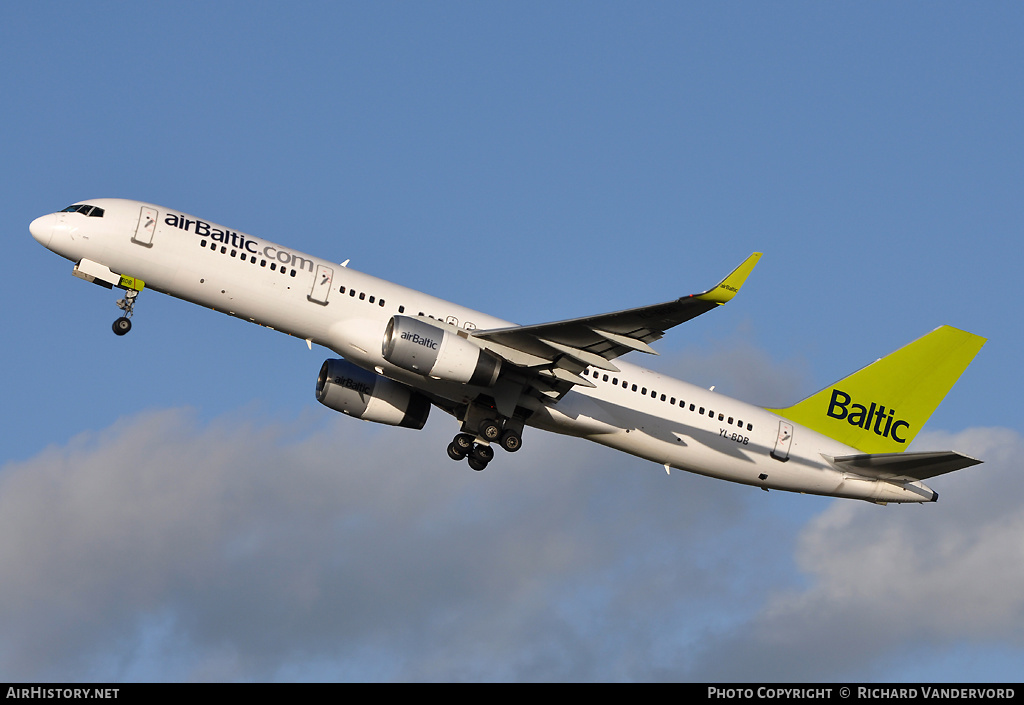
[
  {"x": 352, "y": 390},
  {"x": 432, "y": 351}
]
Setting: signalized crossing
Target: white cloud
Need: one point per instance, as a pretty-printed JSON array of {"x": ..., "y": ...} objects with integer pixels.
[
  {"x": 164, "y": 549},
  {"x": 887, "y": 584}
]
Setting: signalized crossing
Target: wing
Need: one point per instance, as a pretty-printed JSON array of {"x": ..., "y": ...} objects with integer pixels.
[{"x": 560, "y": 351}]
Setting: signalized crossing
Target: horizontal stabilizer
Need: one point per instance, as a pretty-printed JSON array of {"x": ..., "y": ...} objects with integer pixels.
[{"x": 904, "y": 466}]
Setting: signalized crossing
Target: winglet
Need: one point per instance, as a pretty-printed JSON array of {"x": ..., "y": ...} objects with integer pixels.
[{"x": 729, "y": 286}]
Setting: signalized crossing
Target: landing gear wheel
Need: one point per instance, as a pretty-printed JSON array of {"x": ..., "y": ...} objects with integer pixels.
[
  {"x": 464, "y": 443},
  {"x": 484, "y": 453},
  {"x": 480, "y": 456},
  {"x": 511, "y": 441},
  {"x": 122, "y": 325},
  {"x": 489, "y": 430},
  {"x": 455, "y": 453}
]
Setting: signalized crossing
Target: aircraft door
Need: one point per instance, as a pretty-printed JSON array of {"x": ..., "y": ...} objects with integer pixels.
[
  {"x": 783, "y": 442},
  {"x": 146, "y": 228},
  {"x": 321, "y": 285}
]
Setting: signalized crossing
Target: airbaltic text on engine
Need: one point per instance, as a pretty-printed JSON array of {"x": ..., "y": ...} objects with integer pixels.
[
  {"x": 420, "y": 340},
  {"x": 862, "y": 416},
  {"x": 354, "y": 385}
]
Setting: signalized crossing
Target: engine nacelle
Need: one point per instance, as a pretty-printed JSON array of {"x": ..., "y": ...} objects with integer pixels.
[
  {"x": 352, "y": 390},
  {"x": 429, "y": 350}
]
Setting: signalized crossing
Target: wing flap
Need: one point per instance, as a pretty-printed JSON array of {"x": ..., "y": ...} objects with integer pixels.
[
  {"x": 626, "y": 341},
  {"x": 584, "y": 356},
  {"x": 560, "y": 373},
  {"x": 904, "y": 466}
]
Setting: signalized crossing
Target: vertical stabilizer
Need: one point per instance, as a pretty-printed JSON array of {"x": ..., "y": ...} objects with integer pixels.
[{"x": 880, "y": 408}]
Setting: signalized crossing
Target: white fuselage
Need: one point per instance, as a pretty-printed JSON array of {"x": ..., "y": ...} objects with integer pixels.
[{"x": 635, "y": 410}]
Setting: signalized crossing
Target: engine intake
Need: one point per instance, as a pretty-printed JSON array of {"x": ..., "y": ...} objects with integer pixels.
[
  {"x": 350, "y": 389},
  {"x": 432, "y": 351}
]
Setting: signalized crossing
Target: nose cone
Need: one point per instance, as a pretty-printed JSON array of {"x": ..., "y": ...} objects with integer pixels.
[{"x": 42, "y": 228}]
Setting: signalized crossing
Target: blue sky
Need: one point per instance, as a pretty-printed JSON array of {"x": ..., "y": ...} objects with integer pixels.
[{"x": 175, "y": 505}]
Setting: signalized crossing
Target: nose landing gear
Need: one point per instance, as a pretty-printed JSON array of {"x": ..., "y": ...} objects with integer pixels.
[{"x": 124, "y": 324}]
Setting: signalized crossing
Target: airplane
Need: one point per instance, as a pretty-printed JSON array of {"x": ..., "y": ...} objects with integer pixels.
[{"x": 403, "y": 352}]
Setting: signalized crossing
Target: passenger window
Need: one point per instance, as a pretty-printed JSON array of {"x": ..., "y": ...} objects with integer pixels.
[
  {"x": 634, "y": 387},
  {"x": 401, "y": 309},
  {"x": 750, "y": 427}
]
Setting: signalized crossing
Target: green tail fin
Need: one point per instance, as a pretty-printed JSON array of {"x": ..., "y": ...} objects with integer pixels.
[{"x": 880, "y": 408}]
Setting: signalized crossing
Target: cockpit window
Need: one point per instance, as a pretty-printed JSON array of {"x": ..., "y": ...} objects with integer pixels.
[{"x": 85, "y": 209}]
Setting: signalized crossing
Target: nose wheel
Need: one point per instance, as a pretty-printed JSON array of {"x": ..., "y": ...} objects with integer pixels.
[{"x": 124, "y": 324}]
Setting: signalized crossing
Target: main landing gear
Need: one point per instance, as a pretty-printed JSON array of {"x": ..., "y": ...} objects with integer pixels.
[
  {"x": 124, "y": 324},
  {"x": 465, "y": 445}
]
